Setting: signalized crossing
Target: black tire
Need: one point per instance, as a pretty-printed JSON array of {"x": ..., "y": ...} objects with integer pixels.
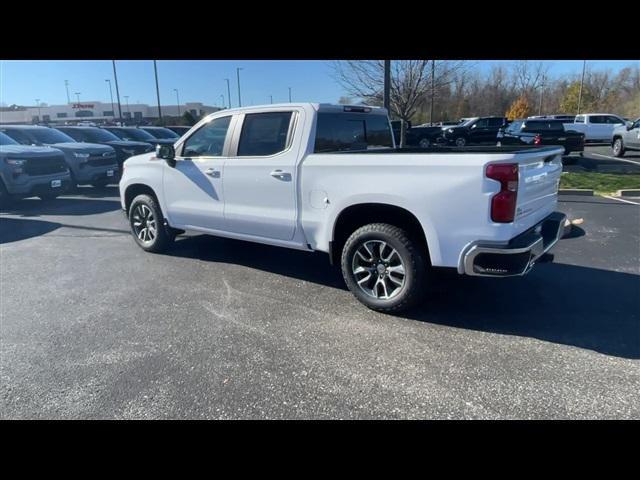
[
  {"x": 411, "y": 257},
  {"x": 460, "y": 142},
  {"x": 162, "y": 238},
  {"x": 6, "y": 199},
  {"x": 48, "y": 197},
  {"x": 424, "y": 143},
  {"x": 618, "y": 147}
]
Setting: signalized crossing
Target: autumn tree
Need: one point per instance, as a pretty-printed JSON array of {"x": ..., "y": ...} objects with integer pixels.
[{"x": 519, "y": 108}]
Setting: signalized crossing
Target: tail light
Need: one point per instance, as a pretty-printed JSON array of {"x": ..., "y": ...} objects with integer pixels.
[
  {"x": 537, "y": 139},
  {"x": 503, "y": 203}
]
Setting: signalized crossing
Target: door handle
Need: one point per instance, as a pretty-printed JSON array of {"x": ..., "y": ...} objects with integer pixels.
[
  {"x": 212, "y": 172},
  {"x": 280, "y": 174}
]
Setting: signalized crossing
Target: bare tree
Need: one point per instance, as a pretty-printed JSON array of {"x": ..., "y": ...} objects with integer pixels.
[{"x": 410, "y": 82}]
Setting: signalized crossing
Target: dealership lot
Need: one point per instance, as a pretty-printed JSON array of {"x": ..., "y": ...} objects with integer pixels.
[{"x": 93, "y": 327}]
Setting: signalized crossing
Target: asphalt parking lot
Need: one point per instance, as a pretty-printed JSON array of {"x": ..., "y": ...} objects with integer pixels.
[{"x": 93, "y": 327}]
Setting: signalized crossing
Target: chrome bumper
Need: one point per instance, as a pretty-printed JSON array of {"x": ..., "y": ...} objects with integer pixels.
[{"x": 519, "y": 255}]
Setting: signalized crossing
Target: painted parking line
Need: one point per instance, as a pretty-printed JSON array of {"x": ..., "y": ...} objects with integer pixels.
[
  {"x": 616, "y": 158},
  {"x": 621, "y": 200}
]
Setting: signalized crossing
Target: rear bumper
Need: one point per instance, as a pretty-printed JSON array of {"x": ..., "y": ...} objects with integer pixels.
[{"x": 519, "y": 255}]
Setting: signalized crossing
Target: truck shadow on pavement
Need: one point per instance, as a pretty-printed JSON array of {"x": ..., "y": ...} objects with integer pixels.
[
  {"x": 32, "y": 207},
  {"x": 569, "y": 305},
  {"x": 16, "y": 229}
]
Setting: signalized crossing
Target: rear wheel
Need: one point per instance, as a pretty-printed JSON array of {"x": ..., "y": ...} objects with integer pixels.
[
  {"x": 147, "y": 224},
  {"x": 384, "y": 267},
  {"x": 425, "y": 143},
  {"x": 618, "y": 147}
]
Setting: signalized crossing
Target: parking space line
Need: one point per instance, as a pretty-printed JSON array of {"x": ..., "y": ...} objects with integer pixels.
[
  {"x": 616, "y": 158},
  {"x": 621, "y": 200}
]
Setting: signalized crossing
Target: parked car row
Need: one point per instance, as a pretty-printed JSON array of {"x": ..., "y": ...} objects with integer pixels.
[{"x": 48, "y": 161}]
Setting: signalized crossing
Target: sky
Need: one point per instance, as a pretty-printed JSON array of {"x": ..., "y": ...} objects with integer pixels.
[{"x": 22, "y": 82}]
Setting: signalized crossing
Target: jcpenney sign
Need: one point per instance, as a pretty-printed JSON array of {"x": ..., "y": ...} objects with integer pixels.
[{"x": 82, "y": 105}]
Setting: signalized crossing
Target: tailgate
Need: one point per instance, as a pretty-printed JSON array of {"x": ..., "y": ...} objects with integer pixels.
[{"x": 539, "y": 176}]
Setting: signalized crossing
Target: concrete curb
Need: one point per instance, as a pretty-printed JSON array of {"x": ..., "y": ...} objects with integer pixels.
[
  {"x": 628, "y": 193},
  {"x": 575, "y": 191}
]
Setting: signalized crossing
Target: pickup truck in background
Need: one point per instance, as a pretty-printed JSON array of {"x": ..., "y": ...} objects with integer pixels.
[
  {"x": 597, "y": 127},
  {"x": 626, "y": 138},
  {"x": 27, "y": 171},
  {"x": 328, "y": 178},
  {"x": 539, "y": 131},
  {"x": 474, "y": 131}
]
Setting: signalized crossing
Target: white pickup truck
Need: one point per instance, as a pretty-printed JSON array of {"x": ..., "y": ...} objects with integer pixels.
[
  {"x": 597, "y": 127},
  {"x": 328, "y": 178}
]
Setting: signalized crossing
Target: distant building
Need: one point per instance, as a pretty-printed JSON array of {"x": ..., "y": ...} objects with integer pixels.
[{"x": 97, "y": 112}]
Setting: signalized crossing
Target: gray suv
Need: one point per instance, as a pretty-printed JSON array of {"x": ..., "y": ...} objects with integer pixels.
[
  {"x": 626, "y": 137},
  {"x": 31, "y": 171},
  {"x": 90, "y": 163}
]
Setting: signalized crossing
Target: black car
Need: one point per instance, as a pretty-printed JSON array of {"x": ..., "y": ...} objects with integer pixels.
[
  {"x": 179, "y": 129},
  {"x": 161, "y": 132},
  {"x": 474, "y": 131},
  {"x": 540, "y": 131},
  {"x": 134, "y": 134},
  {"x": 421, "y": 136},
  {"x": 124, "y": 148}
]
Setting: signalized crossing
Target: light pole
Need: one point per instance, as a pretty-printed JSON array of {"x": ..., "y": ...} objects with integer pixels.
[
  {"x": 433, "y": 90},
  {"x": 541, "y": 92},
  {"x": 155, "y": 69},
  {"x": 387, "y": 85},
  {"x": 238, "y": 76},
  {"x": 222, "y": 98},
  {"x": 115, "y": 77},
  {"x": 177, "y": 99},
  {"x": 77, "y": 94},
  {"x": 126, "y": 98},
  {"x": 113, "y": 108},
  {"x": 228, "y": 92},
  {"x": 271, "y": 97},
  {"x": 289, "y": 94},
  {"x": 584, "y": 65},
  {"x": 38, "y": 105},
  {"x": 66, "y": 86}
]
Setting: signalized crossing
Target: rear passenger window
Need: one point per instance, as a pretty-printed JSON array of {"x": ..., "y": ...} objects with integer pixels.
[
  {"x": 597, "y": 119},
  {"x": 579, "y": 119},
  {"x": 264, "y": 134}
]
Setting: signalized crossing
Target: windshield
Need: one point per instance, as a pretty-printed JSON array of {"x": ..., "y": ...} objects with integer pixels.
[
  {"x": 134, "y": 134},
  {"x": 99, "y": 135},
  {"x": 49, "y": 135},
  {"x": 7, "y": 140},
  {"x": 162, "y": 133}
]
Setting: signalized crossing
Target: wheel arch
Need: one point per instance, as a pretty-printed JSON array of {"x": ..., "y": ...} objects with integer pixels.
[
  {"x": 135, "y": 189},
  {"x": 357, "y": 215}
]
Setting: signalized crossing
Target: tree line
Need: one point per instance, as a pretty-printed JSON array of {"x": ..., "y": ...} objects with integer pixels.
[{"x": 460, "y": 89}]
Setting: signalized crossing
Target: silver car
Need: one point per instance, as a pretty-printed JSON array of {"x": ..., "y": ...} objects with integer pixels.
[{"x": 626, "y": 138}]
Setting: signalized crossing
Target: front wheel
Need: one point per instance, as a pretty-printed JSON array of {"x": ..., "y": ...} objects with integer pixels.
[
  {"x": 384, "y": 267},
  {"x": 425, "y": 143},
  {"x": 618, "y": 148},
  {"x": 147, "y": 224},
  {"x": 461, "y": 142}
]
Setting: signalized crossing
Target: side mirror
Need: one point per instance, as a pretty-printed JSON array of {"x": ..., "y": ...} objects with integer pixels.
[
  {"x": 629, "y": 126},
  {"x": 167, "y": 153}
]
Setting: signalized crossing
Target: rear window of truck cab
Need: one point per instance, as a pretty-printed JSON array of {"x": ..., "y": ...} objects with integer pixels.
[
  {"x": 338, "y": 132},
  {"x": 543, "y": 125}
]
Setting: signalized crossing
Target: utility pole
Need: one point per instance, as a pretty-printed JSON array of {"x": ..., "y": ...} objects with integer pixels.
[
  {"x": 541, "y": 92},
  {"x": 584, "y": 65},
  {"x": 289, "y": 94},
  {"x": 155, "y": 69},
  {"x": 387, "y": 86},
  {"x": 228, "y": 92},
  {"x": 238, "y": 75},
  {"x": 433, "y": 90},
  {"x": 113, "y": 108},
  {"x": 178, "y": 99},
  {"x": 115, "y": 77},
  {"x": 66, "y": 86}
]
